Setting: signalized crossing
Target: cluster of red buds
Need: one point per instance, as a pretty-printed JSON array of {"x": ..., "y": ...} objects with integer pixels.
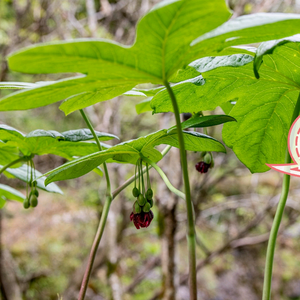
[{"x": 142, "y": 214}]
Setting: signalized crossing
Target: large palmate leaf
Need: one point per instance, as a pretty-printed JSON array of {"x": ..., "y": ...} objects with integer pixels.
[
  {"x": 66, "y": 144},
  {"x": 23, "y": 172},
  {"x": 112, "y": 69},
  {"x": 264, "y": 115},
  {"x": 131, "y": 151},
  {"x": 263, "y": 107},
  {"x": 171, "y": 35}
]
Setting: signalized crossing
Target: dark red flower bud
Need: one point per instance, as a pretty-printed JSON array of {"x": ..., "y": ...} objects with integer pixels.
[
  {"x": 142, "y": 219},
  {"x": 202, "y": 167}
]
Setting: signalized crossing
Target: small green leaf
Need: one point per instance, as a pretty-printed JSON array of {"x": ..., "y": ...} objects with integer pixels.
[{"x": 197, "y": 121}]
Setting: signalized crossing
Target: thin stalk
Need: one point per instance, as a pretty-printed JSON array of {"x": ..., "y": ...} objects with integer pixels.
[
  {"x": 103, "y": 217},
  {"x": 189, "y": 206},
  {"x": 277, "y": 220},
  {"x": 88, "y": 123},
  {"x": 165, "y": 178},
  {"x": 148, "y": 177},
  {"x": 142, "y": 177},
  {"x": 117, "y": 191},
  {"x": 12, "y": 163}
]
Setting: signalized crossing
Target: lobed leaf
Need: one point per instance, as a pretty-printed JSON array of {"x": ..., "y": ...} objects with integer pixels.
[
  {"x": 67, "y": 144},
  {"x": 111, "y": 69},
  {"x": 130, "y": 152}
]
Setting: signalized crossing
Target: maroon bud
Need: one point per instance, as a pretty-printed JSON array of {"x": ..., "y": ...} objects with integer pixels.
[
  {"x": 202, "y": 167},
  {"x": 142, "y": 219}
]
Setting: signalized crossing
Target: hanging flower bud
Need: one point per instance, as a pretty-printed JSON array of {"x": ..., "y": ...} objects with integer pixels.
[
  {"x": 141, "y": 200},
  {"x": 141, "y": 220},
  {"x": 149, "y": 194},
  {"x": 146, "y": 207},
  {"x": 26, "y": 203},
  {"x": 136, "y": 208},
  {"x": 135, "y": 192},
  {"x": 150, "y": 202},
  {"x": 204, "y": 165},
  {"x": 33, "y": 201}
]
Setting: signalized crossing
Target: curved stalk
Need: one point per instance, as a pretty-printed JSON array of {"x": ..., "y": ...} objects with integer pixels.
[
  {"x": 277, "y": 220},
  {"x": 103, "y": 217},
  {"x": 165, "y": 178},
  {"x": 189, "y": 206}
]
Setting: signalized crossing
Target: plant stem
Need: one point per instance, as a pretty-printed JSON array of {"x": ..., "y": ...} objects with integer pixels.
[
  {"x": 103, "y": 217},
  {"x": 189, "y": 206},
  {"x": 23, "y": 158},
  {"x": 88, "y": 123},
  {"x": 165, "y": 178},
  {"x": 277, "y": 219},
  {"x": 131, "y": 179}
]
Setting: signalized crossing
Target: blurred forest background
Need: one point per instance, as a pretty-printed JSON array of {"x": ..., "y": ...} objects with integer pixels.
[{"x": 44, "y": 250}]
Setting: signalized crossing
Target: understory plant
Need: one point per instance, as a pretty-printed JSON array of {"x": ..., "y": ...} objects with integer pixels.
[{"x": 195, "y": 59}]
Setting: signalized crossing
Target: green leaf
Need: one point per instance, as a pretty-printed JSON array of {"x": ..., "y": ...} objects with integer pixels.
[
  {"x": 171, "y": 35},
  {"x": 202, "y": 92},
  {"x": 144, "y": 92},
  {"x": 40, "y": 142},
  {"x": 8, "y": 153},
  {"x": 22, "y": 174},
  {"x": 143, "y": 106},
  {"x": 264, "y": 108},
  {"x": 268, "y": 48},
  {"x": 130, "y": 152},
  {"x": 79, "y": 135},
  {"x": 163, "y": 35},
  {"x": 2, "y": 203},
  {"x": 7, "y": 192},
  {"x": 197, "y": 121},
  {"x": 244, "y": 30}
]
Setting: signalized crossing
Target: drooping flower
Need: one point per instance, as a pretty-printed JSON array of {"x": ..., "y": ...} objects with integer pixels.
[
  {"x": 142, "y": 219},
  {"x": 202, "y": 167}
]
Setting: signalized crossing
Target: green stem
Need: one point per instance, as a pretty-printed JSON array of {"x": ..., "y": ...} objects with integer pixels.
[
  {"x": 103, "y": 217},
  {"x": 23, "y": 158},
  {"x": 131, "y": 179},
  {"x": 88, "y": 123},
  {"x": 165, "y": 178},
  {"x": 277, "y": 220},
  {"x": 189, "y": 206},
  {"x": 142, "y": 177}
]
